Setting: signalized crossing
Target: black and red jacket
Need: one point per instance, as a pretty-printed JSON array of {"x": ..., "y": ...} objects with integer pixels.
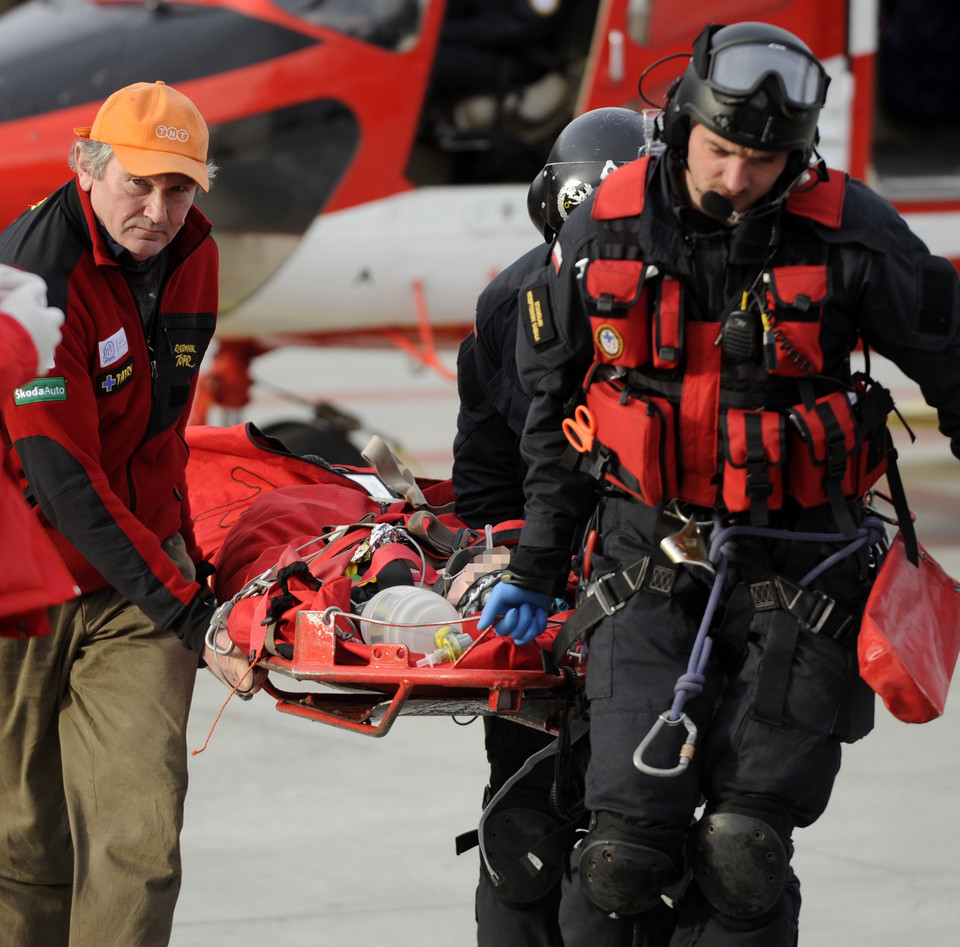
[
  {"x": 633, "y": 309},
  {"x": 101, "y": 437}
]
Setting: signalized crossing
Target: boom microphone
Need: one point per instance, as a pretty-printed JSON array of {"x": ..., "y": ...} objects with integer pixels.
[{"x": 718, "y": 207}]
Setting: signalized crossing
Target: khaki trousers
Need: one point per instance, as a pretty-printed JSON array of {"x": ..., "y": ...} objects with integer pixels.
[{"x": 93, "y": 773}]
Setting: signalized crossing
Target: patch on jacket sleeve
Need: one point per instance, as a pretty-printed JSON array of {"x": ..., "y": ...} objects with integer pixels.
[
  {"x": 939, "y": 297},
  {"x": 41, "y": 389},
  {"x": 109, "y": 383},
  {"x": 537, "y": 315}
]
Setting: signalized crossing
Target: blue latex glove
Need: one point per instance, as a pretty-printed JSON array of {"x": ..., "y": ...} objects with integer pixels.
[{"x": 522, "y": 613}]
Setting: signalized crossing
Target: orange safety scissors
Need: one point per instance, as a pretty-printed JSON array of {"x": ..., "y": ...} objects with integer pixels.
[{"x": 581, "y": 429}]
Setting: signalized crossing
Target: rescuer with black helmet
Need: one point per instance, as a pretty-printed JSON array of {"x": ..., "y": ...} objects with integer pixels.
[
  {"x": 687, "y": 357},
  {"x": 487, "y": 469},
  {"x": 521, "y": 907},
  {"x": 584, "y": 153},
  {"x": 755, "y": 85}
]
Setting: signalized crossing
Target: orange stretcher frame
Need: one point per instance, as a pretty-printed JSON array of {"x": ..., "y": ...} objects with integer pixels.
[{"x": 369, "y": 698}]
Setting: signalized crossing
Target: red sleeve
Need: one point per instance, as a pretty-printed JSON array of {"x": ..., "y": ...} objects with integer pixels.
[{"x": 19, "y": 356}]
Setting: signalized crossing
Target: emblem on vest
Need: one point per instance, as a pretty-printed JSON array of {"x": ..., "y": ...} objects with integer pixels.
[{"x": 609, "y": 341}]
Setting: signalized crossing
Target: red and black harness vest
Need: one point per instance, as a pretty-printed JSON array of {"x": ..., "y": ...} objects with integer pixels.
[{"x": 665, "y": 419}]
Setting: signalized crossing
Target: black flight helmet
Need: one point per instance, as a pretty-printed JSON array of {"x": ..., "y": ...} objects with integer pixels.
[
  {"x": 587, "y": 149},
  {"x": 754, "y": 84}
]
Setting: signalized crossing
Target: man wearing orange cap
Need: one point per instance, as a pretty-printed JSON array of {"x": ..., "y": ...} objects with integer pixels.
[{"x": 93, "y": 753}]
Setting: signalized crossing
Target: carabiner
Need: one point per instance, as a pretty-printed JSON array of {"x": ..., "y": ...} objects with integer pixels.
[
  {"x": 258, "y": 585},
  {"x": 686, "y": 751},
  {"x": 219, "y": 620}
]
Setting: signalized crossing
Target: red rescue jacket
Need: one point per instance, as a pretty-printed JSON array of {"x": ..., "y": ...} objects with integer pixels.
[{"x": 101, "y": 438}]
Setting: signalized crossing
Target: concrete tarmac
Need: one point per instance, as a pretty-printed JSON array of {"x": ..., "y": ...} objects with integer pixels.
[{"x": 301, "y": 833}]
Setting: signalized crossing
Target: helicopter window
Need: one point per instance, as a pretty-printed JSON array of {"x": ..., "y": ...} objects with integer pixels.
[
  {"x": 505, "y": 81},
  {"x": 392, "y": 24},
  {"x": 277, "y": 172},
  {"x": 279, "y": 168},
  {"x": 100, "y": 47}
]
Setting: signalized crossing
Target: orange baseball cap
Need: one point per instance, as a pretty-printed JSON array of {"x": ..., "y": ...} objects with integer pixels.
[{"x": 153, "y": 129}]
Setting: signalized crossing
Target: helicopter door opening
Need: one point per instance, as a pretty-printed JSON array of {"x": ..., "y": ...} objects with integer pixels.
[
  {"x": 916, "y": 141},
  {"x": 505, "y": 81}
]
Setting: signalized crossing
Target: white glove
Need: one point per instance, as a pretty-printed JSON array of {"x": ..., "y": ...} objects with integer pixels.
[{"x": 24, "y": 296}]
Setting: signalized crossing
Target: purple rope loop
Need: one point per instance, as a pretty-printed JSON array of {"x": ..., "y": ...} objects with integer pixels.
[
  {"x": 692, "y": 682},
  {"x": 722, "y": 547}
]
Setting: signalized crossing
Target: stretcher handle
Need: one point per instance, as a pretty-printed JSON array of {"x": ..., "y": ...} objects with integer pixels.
[
  {"x": 686, "y": 751},
  {"x": 296, "y": 704}
]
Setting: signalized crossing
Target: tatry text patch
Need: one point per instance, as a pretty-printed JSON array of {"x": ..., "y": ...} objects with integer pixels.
[{"x": 538, "y": 317}]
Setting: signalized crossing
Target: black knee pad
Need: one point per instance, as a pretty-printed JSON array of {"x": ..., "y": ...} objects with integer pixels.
[
  {"x": 622, "y": 869},
  {"x": 741, "y": 864},
  {"x": 509, "y": 835}
]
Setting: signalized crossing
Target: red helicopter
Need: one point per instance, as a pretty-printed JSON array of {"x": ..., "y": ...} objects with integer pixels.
[{"x": 361, "y": 201}]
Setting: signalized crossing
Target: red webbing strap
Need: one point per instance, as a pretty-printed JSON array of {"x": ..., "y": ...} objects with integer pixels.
[
  {"x": 759, "y": 489},
  {"x": 699, "y": 411},
  {"x": 668, "y": 340},
  {"x": 390, "y": 552},
  {"x": 835, "y": 464},
  {"x": 899, "y": 498}
]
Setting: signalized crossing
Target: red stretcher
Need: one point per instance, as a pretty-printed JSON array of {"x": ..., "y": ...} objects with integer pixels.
[
  {"x": 293, "y": 541},
  {"x": 368, "y": 698}
]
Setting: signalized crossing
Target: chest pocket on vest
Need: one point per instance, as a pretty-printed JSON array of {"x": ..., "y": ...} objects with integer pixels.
[
  {"x": 182, "y": 343},
  {"x": 834, "y": 453},
  {"x": 617, "y": 301},
  {"x": 754, "y": 451},
  {"x": 795, "y": 298},
  {"x": 637, "y": 437}
]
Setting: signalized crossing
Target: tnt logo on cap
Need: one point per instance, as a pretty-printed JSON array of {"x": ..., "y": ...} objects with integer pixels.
[
  {"x": 175, "y": 134},
  {"x": 153, "y": 129}
]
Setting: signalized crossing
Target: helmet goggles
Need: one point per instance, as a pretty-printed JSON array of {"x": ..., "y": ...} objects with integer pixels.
[{"x": 738, "y": 69}]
